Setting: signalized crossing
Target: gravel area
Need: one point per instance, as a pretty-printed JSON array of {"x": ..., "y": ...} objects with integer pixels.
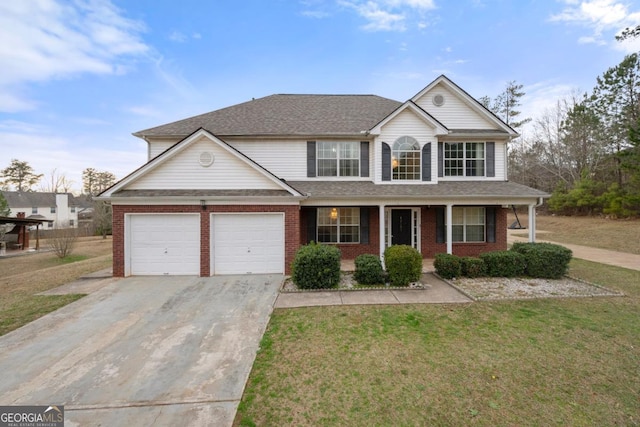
[{"x": 489, "y": 288}]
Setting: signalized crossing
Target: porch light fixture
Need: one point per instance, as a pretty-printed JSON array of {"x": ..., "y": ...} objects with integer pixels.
[
  {"x": 334, "y": 213},
  {"x": 394, "y": 163},
  {"x": 203, "y": 204}
]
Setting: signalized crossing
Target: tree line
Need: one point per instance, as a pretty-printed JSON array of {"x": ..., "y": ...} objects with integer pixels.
[
  {"x": 585, "y": 150},
  {"x": 20, "y": 176}
]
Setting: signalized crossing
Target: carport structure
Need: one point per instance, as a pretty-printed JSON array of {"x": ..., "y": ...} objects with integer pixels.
[{"x": 21, "y": 223}]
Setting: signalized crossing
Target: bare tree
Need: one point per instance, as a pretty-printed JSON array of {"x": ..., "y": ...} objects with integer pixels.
[
  {"x": 56, "y": 183},
  {"x": 102, "y": 217},
  {"x": 63, "y": 241}
]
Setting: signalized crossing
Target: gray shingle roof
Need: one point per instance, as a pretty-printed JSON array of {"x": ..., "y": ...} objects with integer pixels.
[
  {"x": 367, "y": 189},
  {"x": 287, "y": 115},
  {"x": 27, "y": 199}
]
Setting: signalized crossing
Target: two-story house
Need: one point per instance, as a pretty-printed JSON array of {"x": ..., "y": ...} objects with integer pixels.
[
  {"x": 57, "y": 210},
  {"x": 238, "y": 190}
]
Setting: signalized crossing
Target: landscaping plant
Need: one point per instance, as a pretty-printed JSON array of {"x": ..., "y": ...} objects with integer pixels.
[
  {"x": 369, "y": 270},
  {"x": 447, "y": 266},
  {"x": 404, "y": 264},
  {"x": 316, "y": 267},
  {"x": 544, "y": 260}
]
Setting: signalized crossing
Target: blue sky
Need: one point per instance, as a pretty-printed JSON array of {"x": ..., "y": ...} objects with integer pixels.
[{"x": 77, "y": 77}]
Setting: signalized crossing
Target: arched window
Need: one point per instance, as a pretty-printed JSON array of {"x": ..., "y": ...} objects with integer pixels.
[{"x": 405, "y": 160}]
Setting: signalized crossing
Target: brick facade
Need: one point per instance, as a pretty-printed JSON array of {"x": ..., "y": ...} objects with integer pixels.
[
  {"x": 291, "y": 226},
  {"x": 296, "y": 232}
]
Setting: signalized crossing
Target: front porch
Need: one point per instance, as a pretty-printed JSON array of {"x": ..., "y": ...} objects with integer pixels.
[{"x": 464, "y": 230}]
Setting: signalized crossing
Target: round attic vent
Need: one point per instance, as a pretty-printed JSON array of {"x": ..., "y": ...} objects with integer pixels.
[
  {"x": 438, "y": 100},
  {"x": 206, "y": 159}
]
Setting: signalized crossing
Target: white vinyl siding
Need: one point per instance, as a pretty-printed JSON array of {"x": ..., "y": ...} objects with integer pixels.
[
  {"x": 454, "y": 113},
  {"x": 157, "y": 147},
  {"x": 285, "y": 159},
  {"x": 184, "y": 171}
]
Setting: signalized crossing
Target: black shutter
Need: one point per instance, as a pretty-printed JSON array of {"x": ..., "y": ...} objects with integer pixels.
[
  {"x": 491, "y": 224},
  {"x": 426, "y": 162},
  {"x": 441, "y": 232},
  {"x": 364, "y": 158},
  {"x": 364, "y": 226},
  {"x": 386, "y": 162},
  {"x": 311, "y": 159},
  {"x": 440, "y": 159},
  {"x": 312, "y": 214},
  {"x": 491, "y": 159}
]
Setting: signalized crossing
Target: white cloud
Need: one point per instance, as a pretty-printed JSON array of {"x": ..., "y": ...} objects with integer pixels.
[
  {"x": 599, "y": 16},
  {"x": 177, "y": 36},
  {"x": 388, "y": 15},
  {"x": 45, "y": 151},
  {"x": 48, "y": 39},
  {"x": 180, "y": 37}
]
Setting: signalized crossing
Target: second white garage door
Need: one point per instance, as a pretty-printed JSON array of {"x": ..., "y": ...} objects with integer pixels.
[{"x": 247, "y": 243}]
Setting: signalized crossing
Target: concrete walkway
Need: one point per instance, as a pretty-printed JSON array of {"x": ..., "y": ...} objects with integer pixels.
[{"x": 603, "y": 256}]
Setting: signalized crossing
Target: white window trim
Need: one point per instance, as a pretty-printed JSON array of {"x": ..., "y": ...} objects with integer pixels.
[
  {"x": 338, "y": 225},
  {"x": 393, "y": 156},
  {"x": 464, "y": 224},
  {"x": 464, "y": 160},
  {"x": 337, "y": 159}
]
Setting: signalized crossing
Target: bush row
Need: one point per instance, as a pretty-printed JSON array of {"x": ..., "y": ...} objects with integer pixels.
[
  {"x": 540, "y": 260},
  {"x": 318, "y": 267}
]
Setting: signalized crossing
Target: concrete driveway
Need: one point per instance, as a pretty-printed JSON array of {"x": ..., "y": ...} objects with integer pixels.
[{"x": 143, "y": 351}]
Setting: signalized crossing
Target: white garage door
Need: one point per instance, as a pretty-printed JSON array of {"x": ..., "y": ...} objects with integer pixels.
[
  {"x": 164, "y": 244},
  {"x": 247, "y": 243}
]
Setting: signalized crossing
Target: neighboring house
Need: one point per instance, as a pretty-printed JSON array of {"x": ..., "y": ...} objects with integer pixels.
[
  {"x": 239, "y": 190},
  {"x": 57, "y": 210}
]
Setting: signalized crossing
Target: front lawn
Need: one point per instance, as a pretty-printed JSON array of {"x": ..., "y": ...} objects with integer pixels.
[{"x": 540, "y": 362}]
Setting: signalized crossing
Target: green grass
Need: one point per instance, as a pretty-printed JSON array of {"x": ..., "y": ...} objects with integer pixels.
[
  {"x": 27, "y": 308},
  {"x": 68, "y": 259},
  {"x": 528, "y": 363}
]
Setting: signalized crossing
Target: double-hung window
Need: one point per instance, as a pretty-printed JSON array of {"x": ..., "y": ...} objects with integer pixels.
[
  {"x": 464, "y": 159},
  {"x": 338, "y": 225},
  {"x": 338, "y": 158},
  {"x": 468, "y": 224}
]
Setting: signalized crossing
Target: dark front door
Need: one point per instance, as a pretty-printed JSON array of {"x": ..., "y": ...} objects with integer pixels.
[{"x": 401, "y": 227}]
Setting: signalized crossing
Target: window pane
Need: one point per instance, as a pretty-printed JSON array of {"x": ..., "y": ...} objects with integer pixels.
[
  {"x": 406, "y": 159},
  {"x": 349, "y": 234},
  {"x": 327, "y": 234},
  {"x": 327, "y": 167},
  {"x": 457, "y": 233},
  {"x": 349, "y": 168},
  {"x": 475, "y": 233}
]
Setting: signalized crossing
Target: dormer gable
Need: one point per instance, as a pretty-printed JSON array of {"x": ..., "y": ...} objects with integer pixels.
[{"x": 450, "y": 105}]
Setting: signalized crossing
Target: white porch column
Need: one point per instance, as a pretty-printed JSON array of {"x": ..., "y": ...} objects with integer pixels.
[
  {"x": 381, "y": 224},
  {"x": 532, "y": 223},
  {"x": 449, "y": 222}
]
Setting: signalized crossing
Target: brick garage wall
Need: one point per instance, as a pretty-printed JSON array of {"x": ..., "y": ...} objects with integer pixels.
[
  {"x": 291, "y": 225},
  {"x": 428, "y": 239}
]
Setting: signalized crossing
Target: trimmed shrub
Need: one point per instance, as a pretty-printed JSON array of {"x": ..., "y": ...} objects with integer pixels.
[
  {"x": 404, "y": 264},
  {"x": 544, "y": 260},
  {"x": 504, "y": 263},
  {"x": 473, "y": 267},
  {"x": 447, "y": 266},
  {"x": 369, "y": 270},
  {"x": 316, "y": 267}
]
